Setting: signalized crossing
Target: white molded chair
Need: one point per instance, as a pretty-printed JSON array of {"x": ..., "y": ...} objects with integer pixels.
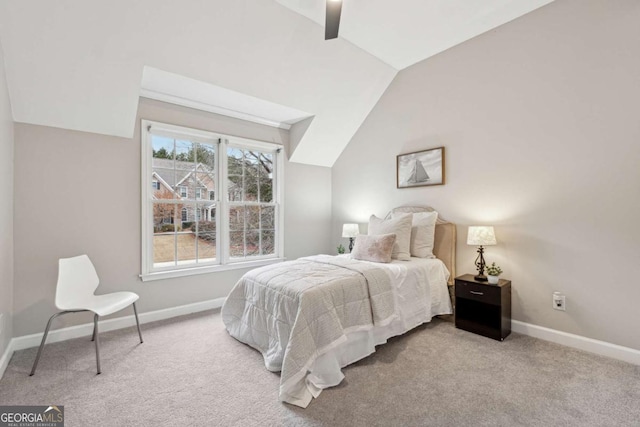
[{"x": 77, "y": 281}]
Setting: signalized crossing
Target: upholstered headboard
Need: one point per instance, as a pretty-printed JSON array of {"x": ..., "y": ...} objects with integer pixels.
[{"x": 445, "y": 239}]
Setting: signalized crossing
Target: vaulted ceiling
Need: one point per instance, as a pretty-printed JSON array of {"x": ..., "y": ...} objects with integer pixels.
[{"x": 79, "y": 64}]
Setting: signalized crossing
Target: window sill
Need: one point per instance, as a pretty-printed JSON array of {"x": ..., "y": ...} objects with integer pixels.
[{"x": 170, "y": 274}]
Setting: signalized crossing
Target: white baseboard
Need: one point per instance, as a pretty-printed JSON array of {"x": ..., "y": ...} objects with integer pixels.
[
  {"x": 602, "y": 348},
  {"x": 6, "y": 356},
  {"x": 57, "y": 335}
]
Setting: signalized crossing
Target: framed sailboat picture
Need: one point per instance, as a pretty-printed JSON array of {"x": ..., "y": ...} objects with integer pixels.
[{"x": 420, "y": 168}]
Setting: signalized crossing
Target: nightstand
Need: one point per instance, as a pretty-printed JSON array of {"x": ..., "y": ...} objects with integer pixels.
[{"x": 483, "y": 308}]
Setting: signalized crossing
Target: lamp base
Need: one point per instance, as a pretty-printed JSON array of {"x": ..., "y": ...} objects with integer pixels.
[{"x": 480, "y": 277}]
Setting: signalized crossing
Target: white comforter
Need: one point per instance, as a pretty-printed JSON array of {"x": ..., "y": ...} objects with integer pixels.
[{"x": 303, "y": 315}]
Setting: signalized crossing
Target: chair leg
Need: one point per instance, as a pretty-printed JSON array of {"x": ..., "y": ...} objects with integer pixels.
[
  {"x": 97, "y": 341},
  {"x": 44, "y": 339},
  {"x": 135, "y": 311},
  {"x": 93, "y": 337}
]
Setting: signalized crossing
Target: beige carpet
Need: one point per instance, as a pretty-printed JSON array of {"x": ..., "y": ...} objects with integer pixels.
[{"x": 190, "y": 372}]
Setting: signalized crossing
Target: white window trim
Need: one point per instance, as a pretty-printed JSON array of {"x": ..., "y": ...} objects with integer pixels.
[{"x": 223, "y": 261}]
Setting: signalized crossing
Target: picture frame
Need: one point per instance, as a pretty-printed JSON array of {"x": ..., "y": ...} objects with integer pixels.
[{"x": 420, "y": 168}]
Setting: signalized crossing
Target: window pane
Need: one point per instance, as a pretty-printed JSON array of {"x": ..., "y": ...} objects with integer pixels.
[
  {"x": 235, "y": 166},
  {"x": 163, "y": 249},
  {"x": 253, "y": 217},
  {"x": 266, "y": 177},
  {"x": 163, "y": 217},
  {"x": 236, "y": 230},
  {"x": 251, "y": 172},
  {"x": 184, "y": 150},
  {"x": 207, "y": 247},
  {"x": 205, "y": 185},
  {"x": 252, "y": 242},
  {"x": 206, "y": 157},
  {"x": 268, "y": 243},
  {"x": 236, "y": 218},
  {"x": 185, "y": 246},
  {"x": 252, "y": 230},
  {"x": 165, "y": 178},
  {"x": 162, "y": 148},
  {"x": 187, "y": 215},
  {"x": 236, "y": 243},
  {"x": 164, "y": 234},
  {"x": 268, "y": 218},
  {"x": 185, "y": 179},
  {"x": 205, "y": 181},
  {"x": 206, "y": 234},
  {"x": 162, "y": 164}
]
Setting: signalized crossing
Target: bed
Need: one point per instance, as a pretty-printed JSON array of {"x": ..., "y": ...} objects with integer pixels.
[{"x": 313, "y": 316}]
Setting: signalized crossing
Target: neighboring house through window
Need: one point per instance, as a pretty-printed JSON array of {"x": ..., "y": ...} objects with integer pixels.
[{"x": 187, "y": 169}]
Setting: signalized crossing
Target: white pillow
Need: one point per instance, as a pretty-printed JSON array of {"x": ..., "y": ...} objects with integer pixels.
[
  {"x": 423, "y": 230},
  {"x": 375, "y": 248},
  {"x": 401, "y": 227}
]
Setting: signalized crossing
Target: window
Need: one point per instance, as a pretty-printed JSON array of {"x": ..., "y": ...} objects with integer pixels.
[
  {"x": 243, "y": 227},
  {"x": 199, "y": 192},
  {"x": 155, "y": 184}
]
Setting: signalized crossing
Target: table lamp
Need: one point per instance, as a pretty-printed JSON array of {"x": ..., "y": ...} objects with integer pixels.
[
  {"x": 350, "y": 231},
  {"x": 481, "y": 236}
]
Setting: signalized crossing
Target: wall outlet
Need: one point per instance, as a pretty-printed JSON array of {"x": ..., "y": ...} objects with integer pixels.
[{"x": 559, "y": 301}]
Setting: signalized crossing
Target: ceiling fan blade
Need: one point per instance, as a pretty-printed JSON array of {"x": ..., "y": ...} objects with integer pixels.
[{"x": 332, "y": 19}]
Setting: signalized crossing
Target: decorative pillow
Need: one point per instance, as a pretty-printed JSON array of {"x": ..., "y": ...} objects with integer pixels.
[
  {"x": 423, "y": 230},
  {"x": 376, "y": 248},
  {"x": 401, "y": 227}
]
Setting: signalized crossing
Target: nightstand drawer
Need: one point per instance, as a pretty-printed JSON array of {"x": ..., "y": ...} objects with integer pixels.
[{"x": 488, "y": 294}]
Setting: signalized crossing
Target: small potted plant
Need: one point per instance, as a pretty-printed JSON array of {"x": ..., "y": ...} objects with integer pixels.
[
  {"x": 493, "y": 271},
  {"x": 341, "y": 249}
]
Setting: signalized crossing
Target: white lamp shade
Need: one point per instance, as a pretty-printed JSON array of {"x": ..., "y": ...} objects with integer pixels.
[
  {"x": 481, "y": 236},
  {"x": 350, "y": 230}
]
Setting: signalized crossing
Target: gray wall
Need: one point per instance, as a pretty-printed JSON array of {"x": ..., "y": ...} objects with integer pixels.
[
  {"x": 80, "y": 193},
  {"x": 6, "y": 210},
  {"x": 540, "y": 123}
]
